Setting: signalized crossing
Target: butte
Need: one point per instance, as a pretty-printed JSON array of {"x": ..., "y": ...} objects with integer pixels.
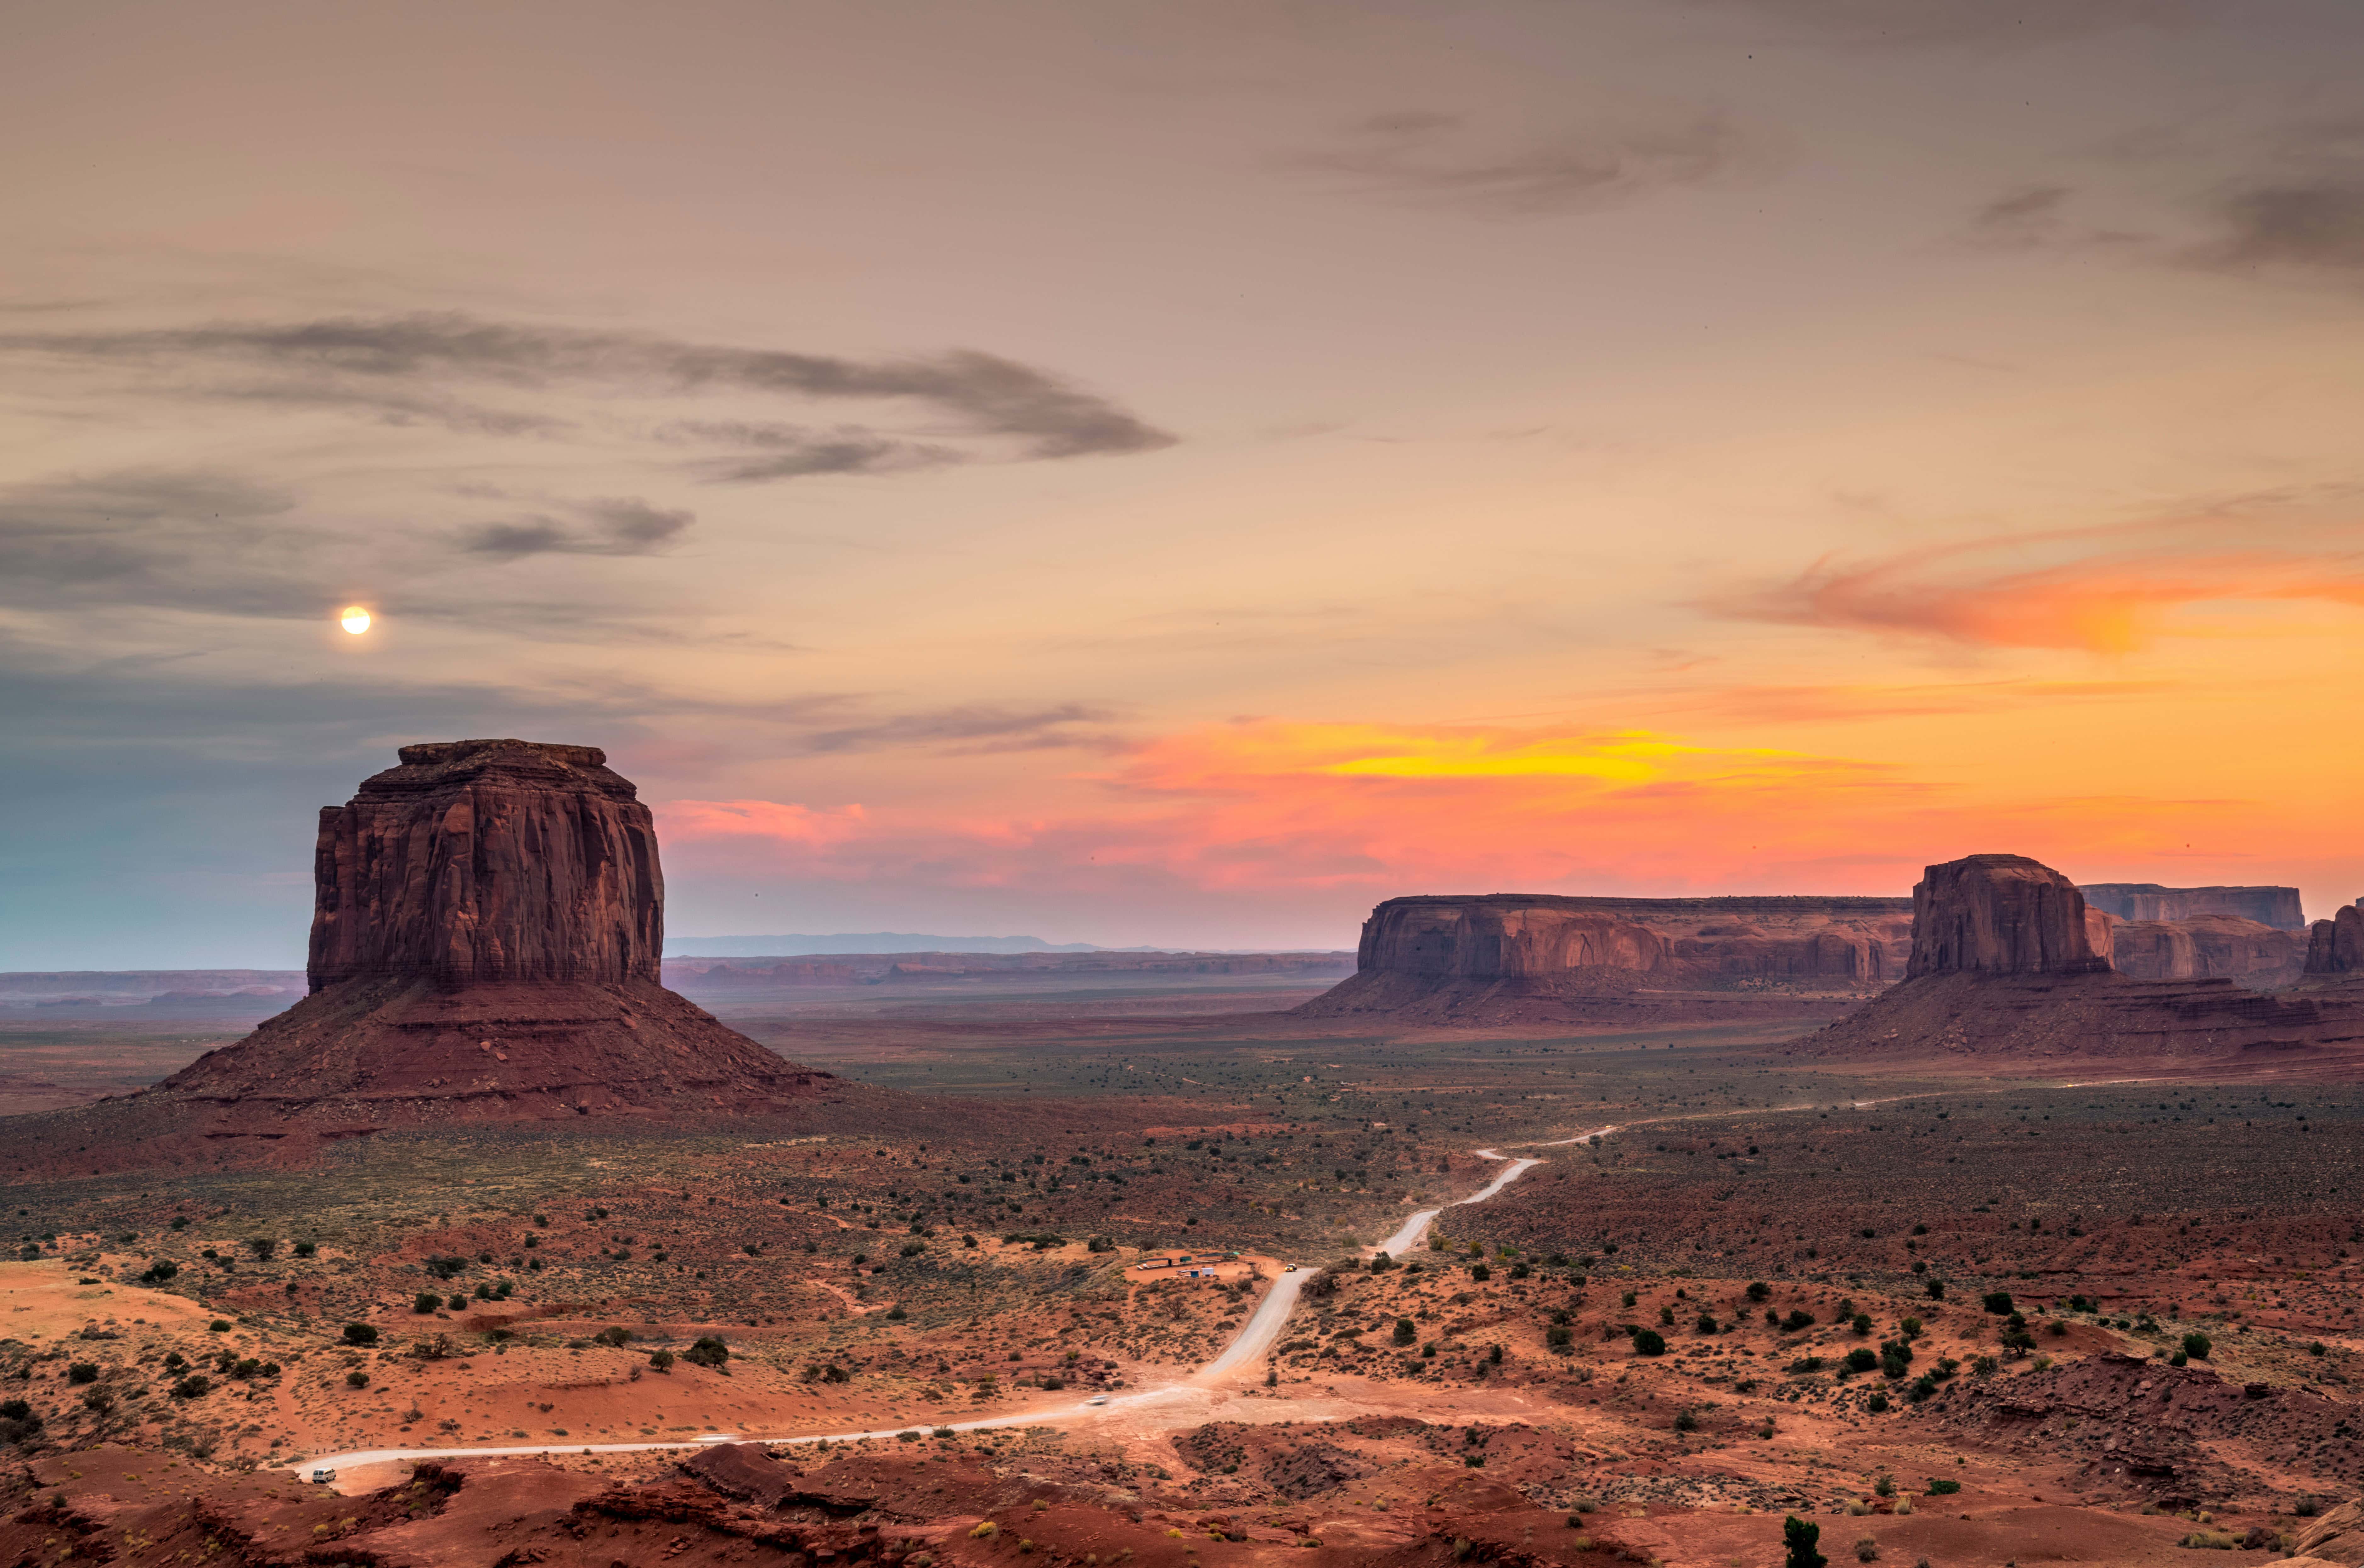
[{"x": 488, "y": 920}]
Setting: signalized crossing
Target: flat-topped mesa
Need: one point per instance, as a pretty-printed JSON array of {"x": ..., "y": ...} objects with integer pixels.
[
  {"x": 2003, "y": 914},
  {"x": 1504, "y": 958},
  {"x": 488, "y": 861},
  {"x": 2275, "y": 907}
]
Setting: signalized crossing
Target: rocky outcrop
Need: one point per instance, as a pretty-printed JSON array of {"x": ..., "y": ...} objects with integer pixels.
[
  {"x": 2147, "y": 901},
  {"x": 1509, "y": 958},
  {"x": 2210, "y": 948},
  {"x": 2002, "y": 968},
  {"x": 1999, "y": 915},
  {"x": 487, "y": 923},
  {"x": 488, "y": 859},
  {"x": 2336, "y": 947}
]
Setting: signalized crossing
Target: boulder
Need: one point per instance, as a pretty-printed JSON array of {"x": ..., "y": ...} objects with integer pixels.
[{"x": 1999, "y": 915}]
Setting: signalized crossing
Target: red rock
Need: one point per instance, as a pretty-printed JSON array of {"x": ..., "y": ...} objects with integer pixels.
[
  {"x": 2336, "y": 946},
  {"x": 2275, "y": 907},
  {"x": 1504, "y": 958},
  {"x": 1999, "y": 915},
  {"x": 2212, "y": 946}
]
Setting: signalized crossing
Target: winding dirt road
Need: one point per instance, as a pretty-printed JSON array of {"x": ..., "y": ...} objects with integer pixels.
[{"x": 1256, "y": 1338}]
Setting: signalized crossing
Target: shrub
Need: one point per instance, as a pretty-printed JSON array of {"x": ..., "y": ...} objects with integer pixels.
[
  {"x": 444, "y": 1268},
  {"x": 1805, "y": 1364},
  {"x": 193, "y": 1386},
  {"x": 356, "y": 1379},
  {"x": 2197, "y": 1346},
  {"x": 1480, "y": 1273},
  {"x": 1685, "y": 1422},
  {"x": 82, "y": 1372},
  {"x": 661, "y": 1360},
  {"x": 2211, "y": 1540},
  {"x": 1405, "y": 1333},
  {"x": 306, "y": 1249},
  {"x": 1935, "y": 1288},
  {"x": 426, "y": 1301},
  {"x": 360, "y": 1334},
  {"x": 710, "y": 1351},
  {"x": 896, "y": 1314},
  {"x": 1941, "y": 1487},
  {"x": 99, "y": 1401},
  {"x": 1801, "y": 1537},
  {"x": 1561, "y": 1339},
  {"x": 1758, "y": 1290},
  {"x": 1985, "y": 1366},
  {"x": 612, "y": 1335},
  {"x": 1101, "y": 1244},
  {"x": 989, "y": 1530},
  {"x": 1649, "y": 1342},
  {"x": 1867, "y": 1550},
  {"x": 159, "y": 1271},
  {"x": 1862, "y": 1359},
  {"x": 1706, "y": 1324},
  {"x": 1798, "y": 1322},
  {"x": 1997, "y": 1302},
  {"x": 1912, "y": 1327},
  {"x": 1876, "y": 1405},
  {"x": 913, "y": 1249}
]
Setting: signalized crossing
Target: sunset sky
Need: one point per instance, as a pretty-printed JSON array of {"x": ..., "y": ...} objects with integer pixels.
[{"x": 1180, "y": 472}]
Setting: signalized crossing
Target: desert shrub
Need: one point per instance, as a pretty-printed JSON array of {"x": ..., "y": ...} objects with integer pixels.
[
  {"x": 1665, "y": 1317},
  {"x": 1805, "y": 1364},
  {"x": 1895, "y": 1358},
  {"x": 1649, "y": 1342},
  {"x": 1799, "y": 1538},
  {"x": 710, "y": 1351},
  {"x": 1101, "y": 1244},
  {"x": 193, "y": 1386},
  {"x": 1520, "y": 1271},
  {"x": 2211, "y": 1540},
  {"x": 1049, "y": 1382},
  {"x": 82, "y": 1372},
  {"x": 896, "y": 1314},
  {"x": 1885, "y": 1486},
  {"x": 444, "y": 1268},
  {"x": 360, "y": 1334},
  {"x": 1405, "y": 1332},
  {"x": 1923, "y": 1387},
  {"x": 661, "y": 1360},
  {"x": 2197, "y": 1346},
  {"x": 612, "y": 1335},
  {"x": 307, "y": 1249},
  {"x": 1877, "y": 1404},
  {"x": 2306, "y": 1507},
  {"x": 1685, "y": 1422},
  {"x": 1758, "y": 1290},
  {"x": 913, "y": 1249},
  {"x": 356, "y": 1379},
  {"x": 1706, "y": 1324},
  {"x": 99, "y": 1401},
  {"x": 1561, "y": 1339},
  {"x": 1798, "y": 1322},
  {"x": 1985, "y": 1366},
  {"x": 426, "y": 1301},
  {"x": 1941, "y": 1487},
  {"x": 1996, "y": 1301},
  {"x": 1862, "y": 1359},
  {"x": 1480, "y": 1273},
  {"x": 1935, "y": 1288},
  {"x": 20, "y": 1422},
  {"x": 160, "y": 1271},
  {"x": 988, "y": 1530},
  {"x": 1867, "y": 1550},
  {"x": 1912, "y": 1327}
]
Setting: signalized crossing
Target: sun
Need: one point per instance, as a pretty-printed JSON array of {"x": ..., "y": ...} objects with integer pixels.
[{"x": 355, "y": 619}]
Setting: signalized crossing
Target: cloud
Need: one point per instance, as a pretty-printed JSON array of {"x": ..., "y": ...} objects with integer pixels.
[
  {"x": 2109, "y": 590},
  {"x": 2029, "y": 215},
  {"x": 629, "y": 527},
  {"x": 1433, "y": 160},
  {"x": 792, "y": 451},
  {"x": 779, "y": 822},
  {"x": 193, "y": 539},
  {"x": 969, "y": 731},
  {"x": 2314, "y": 224},
  {"x": 406, "y": 365},
  {"x": 1972, "y": 22}
]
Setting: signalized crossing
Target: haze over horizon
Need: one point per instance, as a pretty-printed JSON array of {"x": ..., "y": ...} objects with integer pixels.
[{"x": 1178, "y": 476}]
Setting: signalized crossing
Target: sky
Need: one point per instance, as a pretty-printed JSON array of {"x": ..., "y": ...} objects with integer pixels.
[{"x": 1181, "y": 473}]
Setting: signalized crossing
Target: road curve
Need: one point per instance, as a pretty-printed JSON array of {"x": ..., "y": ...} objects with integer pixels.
[{"x": 1256, "y": 1337}]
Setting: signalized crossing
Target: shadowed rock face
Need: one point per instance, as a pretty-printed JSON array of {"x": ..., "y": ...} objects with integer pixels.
[
  {"x": 2336, "y": 946},
  {"x": 2210, "y": 946},
  {"x": 1507, "y": 957},
  {"x": 488, "y": 861},
  {"x": 1999, "y": 915},
  {"x": 2147, "y": 901}
]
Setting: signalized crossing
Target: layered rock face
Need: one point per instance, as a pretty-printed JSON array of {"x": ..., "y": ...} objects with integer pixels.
[
  {"x": 2003, "y": 966},
  {"x": 2212, "y": 947},
  {"x": 2147, "y": 901},
  {"x": 1999, "y": 915},
  {"x": 1508, "y": 958},
  {"x": 2336, "y": 947},
  {"x": 488, "y": 859},
  {"x": 488, "y": 919}
]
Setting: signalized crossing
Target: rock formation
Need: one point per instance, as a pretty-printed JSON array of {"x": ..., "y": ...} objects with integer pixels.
[
  {"x": 2209, "y": 947},
  {"x": 487, "y": 921},
  {"x": 1512, "y": 958},
  {"x": 2003, "y": 966},
  {"x": 2275, "y": 907},
  {"x": 1999, "y": 915},
  {"x": 2336, "y": 947}
]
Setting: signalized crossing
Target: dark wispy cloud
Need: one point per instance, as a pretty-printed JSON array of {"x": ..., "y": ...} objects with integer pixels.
[
  {"x": 628, "y": 527},
  {"x": 971, "y": 729},
  {"x": 2029, "y": 215},
  {"x": 197, "y": 540},
  {"x": 407, "y": 368},
  {"x": 1974, "y": 22},
  {"x": 2313, "y": 224},
  {"x": 793, "y": 452},
  {"x": 1442, "y": 160}
]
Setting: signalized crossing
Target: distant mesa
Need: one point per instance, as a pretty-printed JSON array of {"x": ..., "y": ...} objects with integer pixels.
[
  {"x": 1505, "y": 959},
  {"x": 2147, "y": 901},
  {"x": 2007, "y": 961},
  {"x": 864, "y": 943},
  {"x": 486, "y": 933},
  {"x": 2336, "y": 947}
]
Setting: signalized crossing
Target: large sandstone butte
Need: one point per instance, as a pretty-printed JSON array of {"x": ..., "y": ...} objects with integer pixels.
[
  {"x": 2147, "y": 901},
  {"x": 2007, "y": 962},
  {"x": 2336, "y": 947},
  {"x": 487, "y": 923},
  {"x": 1507, "y": 959}
]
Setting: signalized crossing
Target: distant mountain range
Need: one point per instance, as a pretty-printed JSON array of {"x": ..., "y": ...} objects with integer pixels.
[{"x": 793, "y": 946}]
